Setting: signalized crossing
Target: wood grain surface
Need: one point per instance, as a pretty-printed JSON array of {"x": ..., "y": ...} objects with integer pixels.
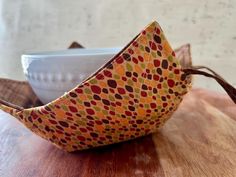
[
  {"x": 18, "y": 92},
  {"x": 199, "y": 140}
]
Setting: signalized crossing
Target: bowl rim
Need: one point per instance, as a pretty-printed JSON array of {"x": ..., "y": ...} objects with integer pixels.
[{"x": 73, "y": 52}]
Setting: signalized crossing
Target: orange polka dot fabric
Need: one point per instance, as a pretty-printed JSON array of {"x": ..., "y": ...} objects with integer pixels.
[{"x": 132, "y": 95}]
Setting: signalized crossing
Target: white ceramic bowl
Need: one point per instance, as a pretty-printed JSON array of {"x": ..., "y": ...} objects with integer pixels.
[{"x": 51, "y": 74}]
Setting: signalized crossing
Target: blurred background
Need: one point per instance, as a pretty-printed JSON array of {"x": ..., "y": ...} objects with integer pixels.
[{"x": 32, "y": 25}]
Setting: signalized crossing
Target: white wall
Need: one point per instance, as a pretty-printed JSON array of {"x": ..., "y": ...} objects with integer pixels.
[{"x": 38, "y": 25}]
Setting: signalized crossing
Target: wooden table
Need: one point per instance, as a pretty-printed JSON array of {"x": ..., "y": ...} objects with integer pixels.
[{"x": 199, "y": 140}]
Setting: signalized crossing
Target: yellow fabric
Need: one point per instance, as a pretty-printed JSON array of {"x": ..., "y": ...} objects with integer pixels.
[{"x": 131, "y": 96}]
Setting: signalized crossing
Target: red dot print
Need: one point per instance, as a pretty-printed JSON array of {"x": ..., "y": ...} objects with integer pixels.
[
  {"x": 112, "y": 90},
  {"x": 99, "y": 77},
  {"x": 134, "y": 79},
  {"x": 107, "y": 73},
  {"x": 149, "y": 111},
  {"x": 158, "y": 31},
  {"x": 156, "y": 77},
  {"x": 144, "y": 75},
  {"x": 89, "y": 128},
  {"x": 93, "y": 102},
  {"x": 79, "y": 90},
  {"x": 81, "y": 138},
  {"x": 171, "y": 82},
  {"x": 45, "y": 112},
  {"x": 121, "y": 91},
  {"x": 67, "y": 138},
  {"x": 118, "y": 103},
  {"x": 157, "y": 63},
  {"x": 128, "y": 113},
  {"x": 153, "y": 105},
  {"x": 131, "y": 51},
  {"x": 98, "y": 122},
  {"x": 176, "y": 71},
  {"x": 151, "y": 123},
  {"x": 90, "y": 111},
  {"x": 119, "y": 60},
  {"x": 124, "y": 78},
  {"x": 59, "y": 132},
  {"x": 165, "y": 104},
  {"x": 159, "y": 86},
  {"x": 140, "y": 58},
  {"x": 73, "y": 101},
  {"x": 144, "y": 94},
  {"x": 70, "y": 118},
  {"x": 73, "y": 127},
  {"x": 83, "y": 129},
  {"x": 131, "y": 102},
  {"x": 68, "y": 114},
  {"x": 173, "y": 53},
  {"x": 131, "y": 95},
  {"x": 112, "y": 112},
  {"x": 139, "y": 121},
  {"x": 135, "y": 44},
  {"x": 152, "y": 45},
  {"x": 135, "y": 60},
  {"x": 131, "y": 121},
  {"x": 52, "y": 121},
  {"x": 96, "y": 89},
  {"x": 73, "y": 109},
  {"x": 113, "y": 104},
  {"x": 109, "y": 118}
]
